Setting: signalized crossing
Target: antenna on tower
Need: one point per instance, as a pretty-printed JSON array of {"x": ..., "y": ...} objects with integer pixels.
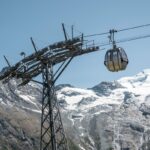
[
  {"x": 72, "y": 31},
  {"x": 33, "y": 44},
  {"x": 7, "y": 61},
  {"x": 64, "y": 30}
]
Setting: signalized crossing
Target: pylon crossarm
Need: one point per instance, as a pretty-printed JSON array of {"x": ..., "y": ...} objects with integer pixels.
[{"x": 34, "y": 62}]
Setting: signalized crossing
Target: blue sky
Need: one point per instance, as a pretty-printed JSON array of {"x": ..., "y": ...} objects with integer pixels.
[{"x": 19, "y": 20}]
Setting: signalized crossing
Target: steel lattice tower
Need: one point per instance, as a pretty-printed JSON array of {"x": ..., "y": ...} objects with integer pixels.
[{"x": 52, "y": 132}]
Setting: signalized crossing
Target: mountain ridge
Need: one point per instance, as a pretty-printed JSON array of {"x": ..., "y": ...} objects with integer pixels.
[{"x": 109, "y": 115}]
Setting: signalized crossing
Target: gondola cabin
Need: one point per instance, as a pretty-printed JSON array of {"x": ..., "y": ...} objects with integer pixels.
[{"x": 116, "y": 59}]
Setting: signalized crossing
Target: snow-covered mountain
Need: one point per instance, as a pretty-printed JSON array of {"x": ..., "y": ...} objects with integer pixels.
[{"x": 111, "y": 115}]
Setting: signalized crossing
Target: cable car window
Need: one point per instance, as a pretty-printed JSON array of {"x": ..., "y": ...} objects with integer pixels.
[
  {"x": 123, "y": 54},
  {"x": 115, "y": 56},
  {"x": 106, "y": 57},
  {"x": 109, "y": 56}
]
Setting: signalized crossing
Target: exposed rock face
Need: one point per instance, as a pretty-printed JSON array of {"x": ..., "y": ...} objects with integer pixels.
[
  {"x": 105, "y": 88},
  {"x": 19, "y": 117},
  {"x": 111, "y": 115}
]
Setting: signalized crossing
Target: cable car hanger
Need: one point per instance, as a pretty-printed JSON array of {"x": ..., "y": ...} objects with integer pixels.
[{"x": 112, "y": 37}]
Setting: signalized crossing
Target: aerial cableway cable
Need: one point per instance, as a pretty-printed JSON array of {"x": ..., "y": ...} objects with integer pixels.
[
  {"x": 125, "y": 29},
  {"x": 124, "y": 40}
]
